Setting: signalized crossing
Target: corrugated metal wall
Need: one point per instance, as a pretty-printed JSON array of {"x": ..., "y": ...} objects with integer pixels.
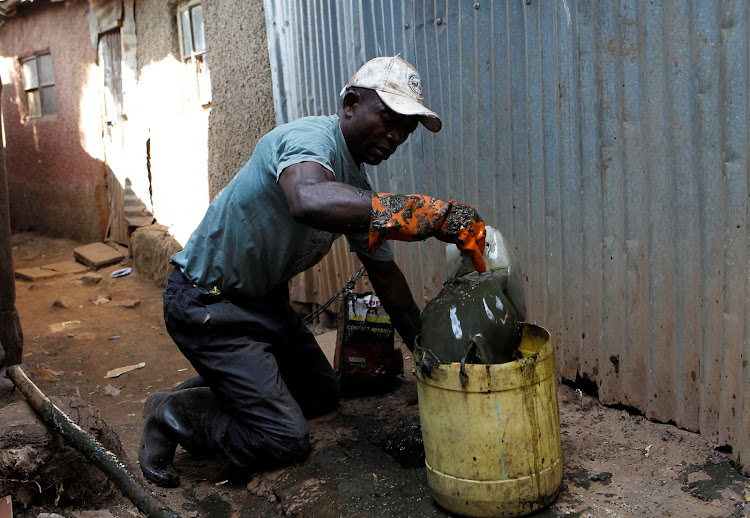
[{"x": 608, "y": 141}]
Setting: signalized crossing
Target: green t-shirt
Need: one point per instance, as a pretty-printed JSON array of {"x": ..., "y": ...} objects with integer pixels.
[{"x": 248, "y": 243}]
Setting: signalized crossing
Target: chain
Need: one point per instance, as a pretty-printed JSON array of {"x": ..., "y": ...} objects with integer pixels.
[{"x": 349, "y": 287}]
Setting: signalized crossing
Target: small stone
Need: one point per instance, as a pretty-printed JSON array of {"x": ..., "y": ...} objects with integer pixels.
[
  {"x": 129, "y": 304},
  {"x": 62, "y": 303},
  {"x": 604, "y": 477},
  {"x": 90, "y": 279},
  {"x": 99, "y": 300}
]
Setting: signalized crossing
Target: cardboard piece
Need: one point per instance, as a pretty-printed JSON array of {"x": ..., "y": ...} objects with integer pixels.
[
  {"x": 36, "y": 274},
  {"x": 67, "y": 267},
  {"x": 49, "y": 271},
  {"x": 97, "y": 255}
]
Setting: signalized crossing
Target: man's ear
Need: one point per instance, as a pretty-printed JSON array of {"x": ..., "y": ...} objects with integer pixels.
[{"x": 350, "y": 101}]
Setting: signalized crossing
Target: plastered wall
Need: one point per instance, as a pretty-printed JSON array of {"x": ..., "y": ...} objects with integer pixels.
[
  {"x": 56, "y": 175},
  {"x": 195, "y": 149},
  {"x": 242, "y": 109}
]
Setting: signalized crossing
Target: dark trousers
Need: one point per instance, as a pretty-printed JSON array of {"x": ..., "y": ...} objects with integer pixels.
[{"x": 262, "y": 364}]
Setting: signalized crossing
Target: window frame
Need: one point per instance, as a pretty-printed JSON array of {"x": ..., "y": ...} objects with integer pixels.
[
  {"x": 197, "y": 59},
  {"x": 41, "y": 84}
]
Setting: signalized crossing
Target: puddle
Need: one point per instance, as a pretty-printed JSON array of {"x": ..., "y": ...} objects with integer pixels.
[
  {"x": 404, "y": 444},
  {"x": 579, "y": 477},
  {"x": 213, "y": 507},
  {"x": 210, "y": 507},
  {"x": 360, "y": 482},
  {"x": 721, "y": 476}
]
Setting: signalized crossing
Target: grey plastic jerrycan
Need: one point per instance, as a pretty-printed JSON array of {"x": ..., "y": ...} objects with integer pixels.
[{"x": 474, "y": 318}]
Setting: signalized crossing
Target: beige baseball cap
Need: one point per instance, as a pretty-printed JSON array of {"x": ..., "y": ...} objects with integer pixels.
[{"x": 398, "y": 85}]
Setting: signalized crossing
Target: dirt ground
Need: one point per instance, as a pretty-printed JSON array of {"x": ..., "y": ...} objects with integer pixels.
[{"x": 367, "y": 458}]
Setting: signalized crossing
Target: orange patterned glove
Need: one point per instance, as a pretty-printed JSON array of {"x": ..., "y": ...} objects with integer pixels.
[{"x": 416, "y": 217}]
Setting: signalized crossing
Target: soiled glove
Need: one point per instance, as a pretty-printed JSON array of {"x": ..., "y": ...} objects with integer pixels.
[{"x": 416, "y": 217}]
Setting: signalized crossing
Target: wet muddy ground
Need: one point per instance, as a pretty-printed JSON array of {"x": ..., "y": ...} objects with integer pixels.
[{"x": 367, "y": 457}]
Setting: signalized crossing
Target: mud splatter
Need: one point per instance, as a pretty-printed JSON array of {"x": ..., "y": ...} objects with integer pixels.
[
  {"x": 459, "y": 216},
  {"x": 578, "y": 476},
  {"x": 417, "y": 217},
  {"x": 615, "y": 359},
  {"x": 426, "y": 361},
  {"x": 722, "y": 476},
  {"x": 403, "y": 443},
  {"x": 478, "y": 306},
  {"x": 393, "y": 212},
  {"x": 213, "y": 507},
  {"x": 364, "y": 193}
]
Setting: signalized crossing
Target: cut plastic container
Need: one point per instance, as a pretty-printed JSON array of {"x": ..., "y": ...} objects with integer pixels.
[
  {"x": 492, "y": 442},
  {"x": 498, "y": 258}
]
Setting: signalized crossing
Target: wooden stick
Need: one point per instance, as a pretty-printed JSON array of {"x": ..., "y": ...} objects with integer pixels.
[{"x": 55, "y": 419}]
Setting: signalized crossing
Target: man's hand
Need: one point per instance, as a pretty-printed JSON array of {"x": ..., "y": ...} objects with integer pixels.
[
  {"x": 408, "y": 325},
  {"x": 416, "y": 217},
  {"x": 466, "y": 229}
]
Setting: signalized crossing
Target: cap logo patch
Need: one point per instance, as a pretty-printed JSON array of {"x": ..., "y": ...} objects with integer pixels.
[{"x": 415, "y": 83}]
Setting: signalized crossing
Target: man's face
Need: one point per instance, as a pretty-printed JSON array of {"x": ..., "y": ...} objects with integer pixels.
[{"x": 373, "y": 131}]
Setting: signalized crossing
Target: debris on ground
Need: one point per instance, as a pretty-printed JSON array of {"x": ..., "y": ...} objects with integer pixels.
[
  {"x": 114, "y": 373},
  {"x": 682, "y": 475}
]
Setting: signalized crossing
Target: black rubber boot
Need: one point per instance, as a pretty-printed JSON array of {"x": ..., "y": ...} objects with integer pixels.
[
  {"x": 184, "y": 417},
  {"x": 156, "y": 456},
  {"x": 154, "y": 399}
]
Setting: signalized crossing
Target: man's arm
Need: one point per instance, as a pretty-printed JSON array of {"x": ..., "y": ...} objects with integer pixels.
[
  {"x": 316, "y": 200},
  {"x": 393, "y": 291},
  {"x": 389, "y": 284}
]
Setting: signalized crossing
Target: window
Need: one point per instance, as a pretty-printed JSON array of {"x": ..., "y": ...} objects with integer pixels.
[
  {"x": 39, "y": 85},
  {"x": 193, "y": 46}
]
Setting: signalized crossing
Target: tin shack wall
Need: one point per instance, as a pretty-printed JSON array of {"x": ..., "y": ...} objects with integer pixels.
[{"x": 607, "y": 141}]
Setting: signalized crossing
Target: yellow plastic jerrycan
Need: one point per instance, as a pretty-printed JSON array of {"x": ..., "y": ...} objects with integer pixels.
[{"x": 492, "y": 440}]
